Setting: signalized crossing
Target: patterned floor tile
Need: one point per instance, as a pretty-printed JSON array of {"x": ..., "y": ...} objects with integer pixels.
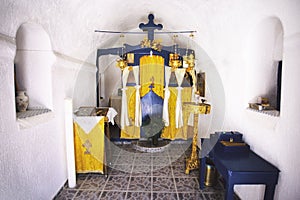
[
  {"x": 186, "y": 184},
  {"x": 80, "y": 178},
  {"x": 115, "y": 195},
  {"x": 217, "y": 188},
  {"x": 65, "y": 194},
  {"x": 174, "y": 146},
  {"x": 138, "y": 195},
  {"x": 161, "y": 161},
  {"x": 214, "y": 196},
  {"x": 143, "y": 176},
  {"x": 162, "y": 171},
  {"x": 93, "y": 182},
  {"x": 118, "y": 183},
  {"x": 177, "y": 152},
  {"x": 178, "y": 160},
  {"x": 140, "y": 184},
  {"x": 163, "y": 184},
  {"x": 87, "y": 194},
  {"x": 188, "y": 151},
  {"x": 160, "y": 154},
  {"x": 121, "y": 170},
  {"x": 127, "y": 148},
  {"x": 179, "y": 171},
  {"x": 125, "y": 160},
  {"x": 142, "y": 170},
  {"x": 164, "y": 196},
  {"x": 143, "y": 160},
  {"x": 187, "y": 145},
  {"x": 115, "y": 150},
  {"x": 112, "y": 160},
  {"x": 191, "y": 195}
]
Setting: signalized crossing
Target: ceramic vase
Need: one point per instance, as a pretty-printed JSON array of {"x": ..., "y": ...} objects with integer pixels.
[{"x": 22, "y": 101}]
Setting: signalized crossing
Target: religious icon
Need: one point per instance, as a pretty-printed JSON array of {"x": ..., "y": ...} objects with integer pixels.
[{"x": 201, "y": 84}]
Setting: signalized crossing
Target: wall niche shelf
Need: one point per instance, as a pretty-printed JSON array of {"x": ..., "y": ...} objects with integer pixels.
[
  {"x": 32, "y": 112},
  {"x": 34, "y": 117},
  {"x": 274, "y": 113}
]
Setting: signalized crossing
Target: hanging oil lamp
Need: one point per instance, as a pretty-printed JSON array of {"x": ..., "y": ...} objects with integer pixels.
[
  {"x": 122, "y": 62},
  {"x": 174, "y": 61}
]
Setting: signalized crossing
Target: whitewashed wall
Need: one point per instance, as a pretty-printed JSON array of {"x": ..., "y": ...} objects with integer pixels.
[
  {"x": 33, "y": 160},
  {"x": 223, "y": 31}
]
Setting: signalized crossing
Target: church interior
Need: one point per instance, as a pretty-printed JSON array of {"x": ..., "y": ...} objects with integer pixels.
[{"x": 149, "y": 100}]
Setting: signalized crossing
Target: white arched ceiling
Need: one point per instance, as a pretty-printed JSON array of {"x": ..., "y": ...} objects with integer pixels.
[{"x": 71, "y": 25}]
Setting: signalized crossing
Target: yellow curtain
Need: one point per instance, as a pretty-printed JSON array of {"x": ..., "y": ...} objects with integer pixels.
[
  {"x": 131, "y": 132},
  {"x": 89, "y": 148},
  {"x": 158, "y": 89},
  {"x": 171, "y": 132},
  {"x": 152, "y": 69}
]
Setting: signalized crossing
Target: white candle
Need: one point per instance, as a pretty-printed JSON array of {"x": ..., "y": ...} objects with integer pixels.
[{"x": 70, "y": 143}]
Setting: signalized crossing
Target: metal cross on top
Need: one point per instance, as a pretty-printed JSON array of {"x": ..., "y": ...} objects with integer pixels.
[{"x": 150, "y": 27}]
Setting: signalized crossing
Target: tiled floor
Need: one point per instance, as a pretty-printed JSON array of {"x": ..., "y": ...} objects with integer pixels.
[{"x": 135, "y": 175}]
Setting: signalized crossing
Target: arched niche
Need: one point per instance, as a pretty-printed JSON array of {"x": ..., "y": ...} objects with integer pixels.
[
  {"x": 264, "y": 62},
  {"x": 33, "y": 62}
]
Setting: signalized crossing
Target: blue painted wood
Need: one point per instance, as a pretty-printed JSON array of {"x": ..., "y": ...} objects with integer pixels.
[
  {"x": 138, "y": 51},
  {"x": 242, "y": 167},
  {"x": 248, "y": 168},
  {"x": 234, "y": 135}
]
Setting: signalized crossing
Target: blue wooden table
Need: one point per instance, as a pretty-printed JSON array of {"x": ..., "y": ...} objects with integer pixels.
[{"x": 244, "y": 167}]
